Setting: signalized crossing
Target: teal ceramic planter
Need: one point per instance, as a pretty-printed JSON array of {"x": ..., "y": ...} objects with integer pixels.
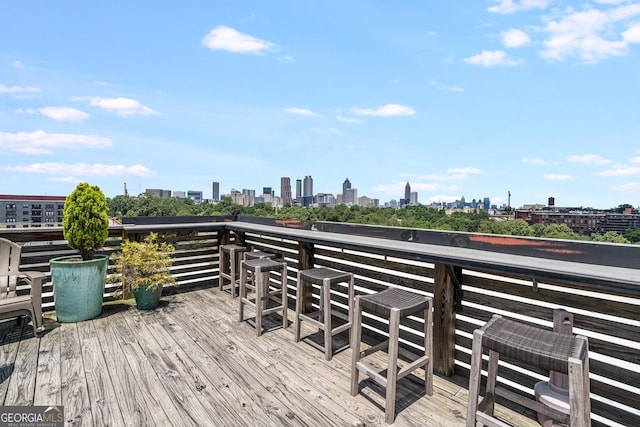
[
  {"x": 147, "y": 299},
  {"x": 78, "y": 287}
]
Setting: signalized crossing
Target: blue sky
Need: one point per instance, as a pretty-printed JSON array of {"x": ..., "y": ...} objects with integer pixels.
[{"x": 467, "y": 98}]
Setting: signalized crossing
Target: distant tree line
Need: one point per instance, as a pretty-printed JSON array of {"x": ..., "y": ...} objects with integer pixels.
[{"x": 410, "y": 217}]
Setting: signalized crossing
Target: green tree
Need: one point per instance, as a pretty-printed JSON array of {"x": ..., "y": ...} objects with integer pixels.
[
  {"x": 609, "y": 236},
  {"x": 85, "y": 222},
  {"x": 633, "y": 235},
  {"x": 560, "y": 231}
]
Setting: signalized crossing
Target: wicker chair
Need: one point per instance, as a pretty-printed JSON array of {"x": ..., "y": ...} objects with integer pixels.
[
  {"x": 12, "y": 304},
  {"x": 535, "y": 347}
]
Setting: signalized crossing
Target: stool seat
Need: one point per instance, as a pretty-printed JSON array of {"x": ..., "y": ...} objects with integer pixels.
[
  {"x": 319, "y": 275},
  {"x": 321, "y": 318},
  {"x": 535, "y": 347},
  {"x": 258, "y": 254},
  {"x": 230, "y": 265},
  {"x": 263, "y": 292},
  {"x": 262, "y": 264},
  {"x": 544, "y": 349},
  {"x": 393, "y": 304},
  {"x": 382, "y": 303}
]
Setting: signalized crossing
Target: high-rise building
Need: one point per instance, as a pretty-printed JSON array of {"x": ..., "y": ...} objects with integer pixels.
[
  {"x": 285, "y": 191},
  {"x": 307, "y": 191},
  {"x": 351, "y": 196},
  {"x": 216, "y": 192},
  {"x": 298, "y": 191},
  {"x": 345, "y": 186},
  {"x": 413, "y": 198},
  {"x": 407, "y": 192}
]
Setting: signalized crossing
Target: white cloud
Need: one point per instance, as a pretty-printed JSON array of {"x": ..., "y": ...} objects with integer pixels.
[
  {"x": 491, "y": 58},
  {"x": 588, "y": 159},
  {"x": 61, "y": 114},
  {"x": 592, "y": 34},
  {"x": 629, "y": 188},
  {"x": 447, "y": 88},
  {"x": 634, "y": 160},
  {"x": 621, "y": 171},
  {"x": 286, "y": 58},
  {"x": 17, "y": 64},
  {"x": 228, "y": 39},
  {"x": 349, "y": 120},
  {"x": 13, "y": 90},
  {"x": 515, "y": 38},
  {"x": 464, "y": 171},
  {"x": 386, "y": 111},
  {"x": 121, "y": 106},
  {"x": 538, "y": 162},
  {"x": 325, "y": 131},
  {"x": 82, "y": 169},
  {"x": 300, "y": 111},
  {"x": 512, "y": 6},
  {"x": 558, "y": 177},
  {"x": 41, "y": 142}
]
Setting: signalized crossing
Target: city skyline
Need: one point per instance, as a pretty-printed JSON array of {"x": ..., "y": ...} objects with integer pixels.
[{"x": 535, "y": 99}]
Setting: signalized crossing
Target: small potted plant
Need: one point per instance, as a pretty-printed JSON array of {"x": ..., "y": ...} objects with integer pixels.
[
  {"x": 79, "y": 280},
  {"x": 143, "y": 268}
]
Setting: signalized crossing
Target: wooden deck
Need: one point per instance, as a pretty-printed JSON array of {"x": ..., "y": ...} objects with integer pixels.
[{"x": 190, "y": 362}]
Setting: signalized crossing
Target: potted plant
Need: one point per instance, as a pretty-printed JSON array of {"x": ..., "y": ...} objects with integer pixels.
[
  {"x": 79, "y": 280},
  {"x": 143, "y": 269}
]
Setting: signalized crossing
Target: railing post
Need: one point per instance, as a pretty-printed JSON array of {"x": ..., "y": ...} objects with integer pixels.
[
  {"x": 444, "y": 322},
  {"x": 305, "y": 262}
]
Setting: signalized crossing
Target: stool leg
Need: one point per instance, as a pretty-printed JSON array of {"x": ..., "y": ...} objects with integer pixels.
[
  {"x": 328, "y": 337},
  {"x": 474, "y": 377},
  {"x": 392, "y": 366},
  {"x": 350, "y": 302},
  {"x": 492, "y": 375},
  {"x": 579, "y": 389},
  {"x": 428, "y": 348},
  {"x": 243, "y": 292},
  {"x": 222, "y": 267},
  {"x": 296, "y": 323},
  {"x": 232, "y": 261},
  {"x": 356, "y": 335},
  {"x": 258, "y": 277},
  {"x": 285, "y": 304}
]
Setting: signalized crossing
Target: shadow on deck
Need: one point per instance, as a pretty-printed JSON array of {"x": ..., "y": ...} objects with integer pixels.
[{"x": 189, "y": 362}]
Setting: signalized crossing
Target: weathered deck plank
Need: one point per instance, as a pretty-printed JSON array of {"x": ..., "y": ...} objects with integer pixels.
[
  {"x": 10, "y": 334},
  {"x": 143, "y": 399},
  {"x": 23, "y": 379},
  {"x": 190, "y": 362},
  {"x": 104, "y": 404},
  {"x": 74, "y": 389},
  {"x": 47, "y": 391}
]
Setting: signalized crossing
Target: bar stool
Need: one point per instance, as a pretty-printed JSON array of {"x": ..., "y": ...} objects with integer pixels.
[
  {"x": 229, "y": 266},
  {"x": 547, "y": 350},
  {"x": 261, "y": 268},
  {"x": 325, "y": 277},
  {"x": 393, "y": 304}
]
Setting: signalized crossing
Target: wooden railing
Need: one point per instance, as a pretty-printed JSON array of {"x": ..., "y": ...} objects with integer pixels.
[{"x": 470, "y": 276}]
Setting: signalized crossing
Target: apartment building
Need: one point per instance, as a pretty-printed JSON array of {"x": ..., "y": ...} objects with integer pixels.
[{"x": 20, "y": 211}]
